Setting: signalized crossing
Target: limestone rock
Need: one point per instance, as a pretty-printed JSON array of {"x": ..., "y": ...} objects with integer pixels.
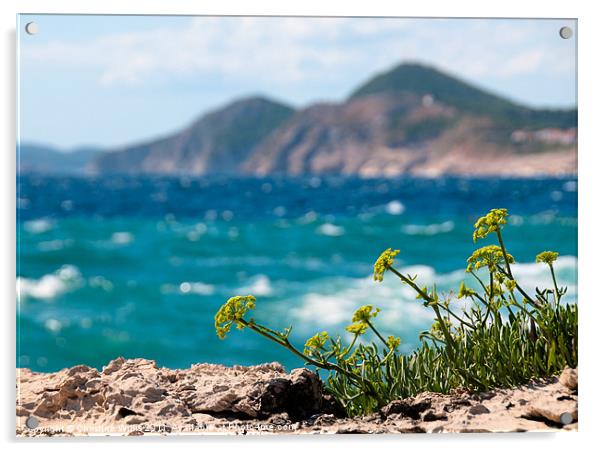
[
  {"x": 135, "y": 397},
  {"x": 136, "y": 391},
  {"x": 569, "y": 378}
]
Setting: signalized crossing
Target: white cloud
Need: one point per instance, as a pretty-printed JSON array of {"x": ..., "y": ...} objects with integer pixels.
[
  {"x": 289, "y": 50},
  {"x": 274, "y": 48},
  {"x": 523, "y": 63}
]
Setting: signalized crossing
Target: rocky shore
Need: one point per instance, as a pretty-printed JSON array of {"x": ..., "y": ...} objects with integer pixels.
[{"x": 135, "y": 397}]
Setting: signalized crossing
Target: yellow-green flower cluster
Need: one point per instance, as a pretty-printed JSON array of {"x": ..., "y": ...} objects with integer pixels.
[
  {"x": 489, "y": 256},
  {"x": 364, "y": 313},
  {"x": 315, "y": 343},
  {"x": 510, "y": 284},
  {"x": 384, "y": 262},
  {"x": 437, "y": 327},
  {"x": 465, "y": 292},
  {"x": 393, "y": 342},
  {"x": 491, "y": 222},
  {"x": 548, "y": 257},
  {"x": 494, "y": 290},
  {"x": 357, "y": 328},
  {"x": 232, "y": 312}
]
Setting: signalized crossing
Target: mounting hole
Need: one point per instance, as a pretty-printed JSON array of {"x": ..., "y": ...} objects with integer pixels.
[
  {"x": 566, "y": 32},
  {"x": 31, "y": 28},
  {"x": 566, "y": 418},
  {"x": 32, "y": 422}
]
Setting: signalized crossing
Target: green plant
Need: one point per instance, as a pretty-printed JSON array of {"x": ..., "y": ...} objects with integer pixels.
[{"x": 501, "y": 337}]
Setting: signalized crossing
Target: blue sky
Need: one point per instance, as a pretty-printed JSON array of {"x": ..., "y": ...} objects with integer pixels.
[{"x": 114, "y": 80}]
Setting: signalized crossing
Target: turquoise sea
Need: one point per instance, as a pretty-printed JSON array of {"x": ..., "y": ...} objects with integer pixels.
[{"x": 137, "y": 266}]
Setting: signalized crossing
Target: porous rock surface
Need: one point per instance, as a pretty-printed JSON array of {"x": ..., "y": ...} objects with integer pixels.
[
  {"x": 135, "y": 397},
  {"x": 544, "y": 405}
]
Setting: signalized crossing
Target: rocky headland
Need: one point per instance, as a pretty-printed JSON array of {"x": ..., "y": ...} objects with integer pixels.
[
  {"x": 409, "y": 120},
  {"x": 135, "y": 397}
]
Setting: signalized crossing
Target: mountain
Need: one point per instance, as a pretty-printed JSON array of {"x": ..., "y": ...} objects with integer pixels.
[
  {"x": 423, "y": 80},
  {"x": 412, "y": 119},
  {"x": 217, "y": 142},
  {"x": 48, "y": 160}
]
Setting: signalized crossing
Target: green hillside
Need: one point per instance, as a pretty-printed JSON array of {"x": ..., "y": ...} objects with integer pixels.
[{"x": 422, "y": 80}]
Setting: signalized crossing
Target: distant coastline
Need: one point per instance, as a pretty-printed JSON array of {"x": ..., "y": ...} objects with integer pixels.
[{"x": 411, "y": 120}]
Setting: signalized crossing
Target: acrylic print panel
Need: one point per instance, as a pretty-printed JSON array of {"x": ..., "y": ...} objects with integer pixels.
[{"x": 286, "y": 225}]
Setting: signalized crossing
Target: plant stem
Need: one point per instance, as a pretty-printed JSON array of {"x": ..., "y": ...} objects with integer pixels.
[
  {"x": 325, "y": 365},
  {"x": 490, "y": 303},
  {"x": 432, "y": 302},
  {"x": 377, "y": 333},
  {"x": 556, "y": 292},
  {"x": 459, "y": 319},
  {"x": 499, "y": 238},
  {"x": 518, "y": 287},
  {"x": 348, "y": 349}
]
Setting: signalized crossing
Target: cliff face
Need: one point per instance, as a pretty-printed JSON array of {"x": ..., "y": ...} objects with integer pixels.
[
  {"x": 218, "y": 142},
  {"x": 410, "y": 120}
]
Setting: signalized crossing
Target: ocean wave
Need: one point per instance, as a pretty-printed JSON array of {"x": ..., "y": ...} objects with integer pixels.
[
  {"x": 308, "y": 217},
  {"x": 53, "y": 325},
  {"x": 395, "y": 208},
  {"x": 23, "y": 203},
  {"x": 570, "y": 186},
  {"x": 49, "y": 286},
  {"x": 330, "y": 302},
  {"x": 196, "y": 232},
  {"x": 100, "y": 282},
  {"x": 528, "y": 275},
  {"x": 54, "y": 245},
  {"x": 122, "y": 238},
  {"x": 330, "y": 230},
  {"x": 199, "y": 288},
  {"x": 37, "y": 226},
  {"x": 429, "y": 229},
  {"x": 259, "y": 285},
  {"x": 531, "y": 275}
]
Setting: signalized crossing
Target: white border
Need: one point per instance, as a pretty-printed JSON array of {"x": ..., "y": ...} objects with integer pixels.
[{"x": 590, "y": 190}]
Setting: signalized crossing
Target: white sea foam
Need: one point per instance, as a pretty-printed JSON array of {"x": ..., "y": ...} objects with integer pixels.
[
  {"x": 69, "y": 273},
  {"x": 395, "y": 207},
  {"x": 531, "y": 275},
  {"x": 53, "y": 325},
  {"x": 330, "y": 230},
  {"x": 259, "y": 285},
  {"x": 122, "y": 238},
  {"x": 201, "y": 288},
  {"x": 195, "y": 233},
  {"x": 38, "y": 226},
  {"x": 335, "y": 300},
  {"x": 332, "y": 301},
  {"x": 46, "y": 288},
  {"x": 233, "y": 233},
  {"x": 49, "y": 286},
  {"x": 429, "y": 229},
  {"x": 23, "y": 203},
  {"x": 570, "y": 186},
  {"x": 308, "y": 217},
  {"x": 67, "y": 205},
  {"x": 100, "y": 282},
  {"x": 54, "y": 245}
]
